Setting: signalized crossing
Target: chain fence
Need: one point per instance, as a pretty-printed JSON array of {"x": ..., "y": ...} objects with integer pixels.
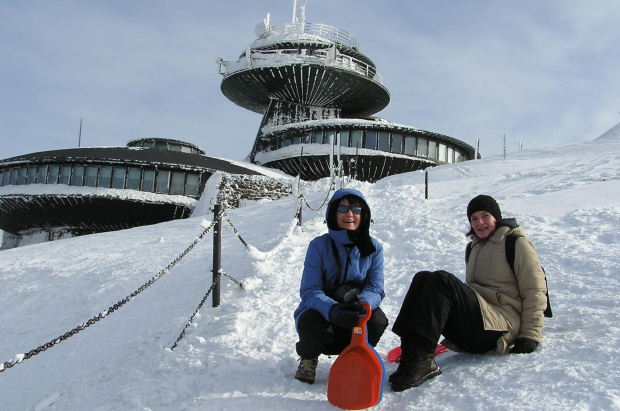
[
  {"x": 252, "y": 251},
  {"x": 21, "y": 357}
]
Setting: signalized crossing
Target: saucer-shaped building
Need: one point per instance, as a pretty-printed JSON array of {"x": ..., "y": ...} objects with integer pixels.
[
  {"x": 317, "y": 92},
  {"x": 79, "y": 191}
]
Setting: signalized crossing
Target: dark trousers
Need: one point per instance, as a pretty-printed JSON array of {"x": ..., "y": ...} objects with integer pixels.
[
  {"x": 318, "y": 336},
  {"x": 437, "y": 303}
]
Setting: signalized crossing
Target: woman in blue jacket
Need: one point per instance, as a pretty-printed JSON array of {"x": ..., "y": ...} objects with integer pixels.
[{"x": 341, "y": 267}]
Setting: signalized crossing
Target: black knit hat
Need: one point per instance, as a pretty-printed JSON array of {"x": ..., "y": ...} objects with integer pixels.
[{"x": 484, "y": 203}]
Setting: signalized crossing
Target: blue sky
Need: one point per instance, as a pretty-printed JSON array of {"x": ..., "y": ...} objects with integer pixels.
[{"x": 542, "y": 73}]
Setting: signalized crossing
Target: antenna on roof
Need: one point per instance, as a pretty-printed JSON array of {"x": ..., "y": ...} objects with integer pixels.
[
  {"x": 299, "y": 16},
  {"x": 80, "y": 134}
]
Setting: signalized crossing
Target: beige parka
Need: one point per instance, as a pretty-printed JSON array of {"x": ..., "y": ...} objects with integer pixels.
[{"x": 512, "y": 302}]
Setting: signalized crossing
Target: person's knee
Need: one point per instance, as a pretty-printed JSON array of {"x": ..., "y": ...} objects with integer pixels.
[
  {"x": 310, "y": 321},
  {"x": 442, "y": 277}
]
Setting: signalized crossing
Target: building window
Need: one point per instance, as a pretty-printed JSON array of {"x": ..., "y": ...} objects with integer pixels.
[
  {"x": 42, "y": 174},
  {"x": 344, "y": 138},
  {"x": 105, "y": 176},
  {"x": 297, "y": 140},
  {"x": 174, "y": 147},
  {"x": 133, "y": 178},
  {"x": 192, "y": 185},
  {"x": 177, "y": 183},
  {"x": 432, "y": 150},
  {"x": 450, "y": 155},
  {"x": 148, "y": 180},
  {"x": 118, "y": 179},
  {"x": 90, "y": 178},
  {"x": 161, "y": 184},
  {"x": 371, "y": 140},
  {"x": 384, "y": 141},
  {"x": 442, "y": 153},
  {"x": 410, "y": 145},
  {"x": 422, "y": 147},
  {"x": 77, "y": 176},
  {"x": 356, "y": 138},
  {"x": 397, "y": 143},
  {"x": 65, "y": 174},
  {"x": 317, "y": 137},
  {"x": 21, "y": 175},
  {"x": 32, "y": 175},
  {"x": 53, "y": 173}
]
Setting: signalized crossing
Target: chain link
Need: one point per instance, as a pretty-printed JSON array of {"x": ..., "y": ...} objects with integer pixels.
[
  {"x": 331, "y": 183},
  {"x": 191, "y": 319},
  {"x": 19, "y": 358}
]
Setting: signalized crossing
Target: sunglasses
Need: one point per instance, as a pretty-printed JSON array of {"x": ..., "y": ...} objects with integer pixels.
[{"x": 343, "y": 209}]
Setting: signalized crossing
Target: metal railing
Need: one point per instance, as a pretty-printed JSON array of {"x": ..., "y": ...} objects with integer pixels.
[
  {"x": 253, "y": 58},
  {"x": 316, "y": 29}
]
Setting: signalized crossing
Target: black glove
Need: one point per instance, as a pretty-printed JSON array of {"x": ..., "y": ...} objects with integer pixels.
[
  {"x": 346, "y": 315},
  {"x": 524, "y": 346}
]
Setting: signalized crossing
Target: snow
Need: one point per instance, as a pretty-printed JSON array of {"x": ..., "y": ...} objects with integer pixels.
[
  {"x": 66, "y": 190},
  {"x": 242, "y": 354}
]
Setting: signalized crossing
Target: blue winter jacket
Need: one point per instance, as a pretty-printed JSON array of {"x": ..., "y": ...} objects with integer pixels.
[{"x": 320, "y": 260}]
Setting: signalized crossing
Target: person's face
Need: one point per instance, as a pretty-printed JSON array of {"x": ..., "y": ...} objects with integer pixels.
[
  {"x": 483, "y": 223},
  {"x": 348, "y": 220}
]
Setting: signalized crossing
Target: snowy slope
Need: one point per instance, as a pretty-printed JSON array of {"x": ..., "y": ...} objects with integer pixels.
[{"x": 241, "y": 355}]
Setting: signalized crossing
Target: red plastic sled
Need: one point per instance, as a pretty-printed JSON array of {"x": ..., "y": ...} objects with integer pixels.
[
  {"x": 356, "y": 377},
  {"x": 394, "y": 354}
]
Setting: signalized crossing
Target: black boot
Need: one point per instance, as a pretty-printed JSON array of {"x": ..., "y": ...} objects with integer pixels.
[
  {"x": 404, "y": 362},
  {"x": 421, "y": 366}
]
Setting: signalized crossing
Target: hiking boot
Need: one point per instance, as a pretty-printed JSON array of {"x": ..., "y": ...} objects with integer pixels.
[
  {"x": 403, "y": 362},
  {"x": 421, "y": 366},
  {"x": 307, "y": 370}
]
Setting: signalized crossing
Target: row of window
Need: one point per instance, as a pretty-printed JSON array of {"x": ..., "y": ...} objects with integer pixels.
[
  {"x": 163, "y": 145},
  {"x": 380, "y": 140},
  {"x": 105, "y": 176}
]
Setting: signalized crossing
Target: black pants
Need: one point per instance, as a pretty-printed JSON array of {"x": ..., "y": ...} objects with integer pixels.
[
  {"x": 437, "y": 303},
  {"x": 318, "y": 336}
]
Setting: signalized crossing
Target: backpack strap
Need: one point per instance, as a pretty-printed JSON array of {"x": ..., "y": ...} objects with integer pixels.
[
  {"x": 338, "y": 263},
  {"x": 511, "y": 242},
  {"x": 467, "y": 252}
]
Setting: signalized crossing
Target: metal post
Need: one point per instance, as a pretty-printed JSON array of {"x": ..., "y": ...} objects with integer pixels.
[
  {"x": 217, "y": 253},
  {"x": 426, "y": 185}
]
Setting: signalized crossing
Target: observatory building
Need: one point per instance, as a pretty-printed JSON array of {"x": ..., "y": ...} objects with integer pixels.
[
  {"x": 71, "y": 192},
  {"x": 317, "y": 92}
]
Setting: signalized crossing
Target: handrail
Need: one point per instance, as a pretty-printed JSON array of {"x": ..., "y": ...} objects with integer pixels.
[
  {"x": 266, "y": 58},
  {"x": 317, "y": 29}
]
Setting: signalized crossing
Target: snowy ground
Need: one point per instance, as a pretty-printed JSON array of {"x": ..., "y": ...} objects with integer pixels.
[{"x": 241, "y": 355}]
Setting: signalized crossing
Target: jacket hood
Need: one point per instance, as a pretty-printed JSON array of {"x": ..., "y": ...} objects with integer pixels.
[{"x": 359, "y": 237}]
